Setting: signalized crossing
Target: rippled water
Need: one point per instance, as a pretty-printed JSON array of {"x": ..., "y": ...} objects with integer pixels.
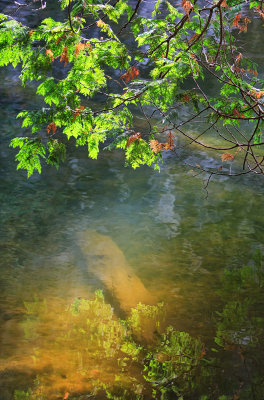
[{"x": 167, "y": 233}]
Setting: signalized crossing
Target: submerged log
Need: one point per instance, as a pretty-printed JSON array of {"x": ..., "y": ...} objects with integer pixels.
[{"x": 108, "y": 263}]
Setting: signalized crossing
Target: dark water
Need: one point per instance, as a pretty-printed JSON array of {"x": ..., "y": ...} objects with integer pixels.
[{"x": 174, "y": 239}]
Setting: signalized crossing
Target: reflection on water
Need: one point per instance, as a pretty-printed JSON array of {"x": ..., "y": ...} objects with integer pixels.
[{"x": 83, "y": 350}]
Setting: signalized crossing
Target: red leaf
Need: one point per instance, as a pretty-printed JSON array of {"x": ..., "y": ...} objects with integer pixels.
[
  {"x": 49, "y": 54},
  {"x": 256, "y": 93},
  {"x": 227, "y": 157},
  {"x": 52, "y": 126},
  {"x": 64, "y": 56},
  {"x": 224, "y": 4},
  {"x": 156, "y": 146},
  {"x": 170, "y": 142},
  {"x": 133, "y": 138},
  {"x": 187, "y": 5},
  {"x": 80, "y": 46},
  {"x": 131, "y": 74},
  {"x": 77, "y": 112},
  {"x": 243, "y": 27},
  {"x": 236, "y": 20}
]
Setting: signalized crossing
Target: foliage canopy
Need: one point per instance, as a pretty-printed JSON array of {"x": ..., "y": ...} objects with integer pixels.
[{"x": 159, "y": 65}]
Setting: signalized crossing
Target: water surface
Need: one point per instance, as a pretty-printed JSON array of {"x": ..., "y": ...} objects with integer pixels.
[{"x": 177, "y": 241}]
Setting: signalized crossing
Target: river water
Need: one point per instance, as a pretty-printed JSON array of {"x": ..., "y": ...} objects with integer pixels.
[{"x": 167, "y": 232}]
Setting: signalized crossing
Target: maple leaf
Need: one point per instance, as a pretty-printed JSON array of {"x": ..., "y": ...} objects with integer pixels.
[
  {"x": 131, "y": 74},
  {"x": 259, "y": 94},
  {"x": 236, "y": 20},
  {"x": 256, "y": 93},
  {"x": 156, "y": 146},
  {"x": 227, "y": 157},
  {"x": 80, "y": 46},
  {"x": 243, "y": 27},
  {"x": 49, "y": 54},
  {"x": 77, "y": 112},
  {"x": 134, "y": 72},
  {"x": 133, "y": 138},
  {"x": 52, "y": 126},
  {"x": 30, "y": 32},
  {"x": 66, "y": 395},
  {"x": 224, "y": 4},
  {"x": 64, "y": 56},
  {"x": 187, "y": 5},
  {"x": 170, "y": 142}
]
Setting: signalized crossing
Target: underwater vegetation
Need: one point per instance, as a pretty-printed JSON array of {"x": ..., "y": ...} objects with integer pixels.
[{"x": 90, "y": 353}]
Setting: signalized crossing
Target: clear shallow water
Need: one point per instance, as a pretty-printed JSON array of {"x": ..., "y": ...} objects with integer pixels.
[{"x": 173, "y": 239}]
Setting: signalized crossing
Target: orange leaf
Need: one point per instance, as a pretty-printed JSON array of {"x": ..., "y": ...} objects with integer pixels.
[
  {"x": 131, "y": 74},
  {"x": 30, "y": 32},
  {"x": 80, "y": 46},
  {"x": 227, "y": 157},
  {"x": 49, "y": 54},
  {"x": 156, "y": 146},
  {"x": 256, "y": 93},
  {"x": 224, "y": 4},
  {"x": 170, "y": 142},
  {"x": 243, "y": 27},
  {"x": 187, "y": 5},
  {"x": 133, "y": 138},
  {"x": 239, "y": 57},
  {"x": 52, "y": 126},
  {"x": 77, "y": 112},
  {"x": 66, "y": 395},
  {"x": 236, "y": 20},
  {"x": 64, "y": 56}
]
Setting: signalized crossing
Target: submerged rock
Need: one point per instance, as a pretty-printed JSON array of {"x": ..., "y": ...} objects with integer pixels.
[{"x": 108, "y": 263}]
